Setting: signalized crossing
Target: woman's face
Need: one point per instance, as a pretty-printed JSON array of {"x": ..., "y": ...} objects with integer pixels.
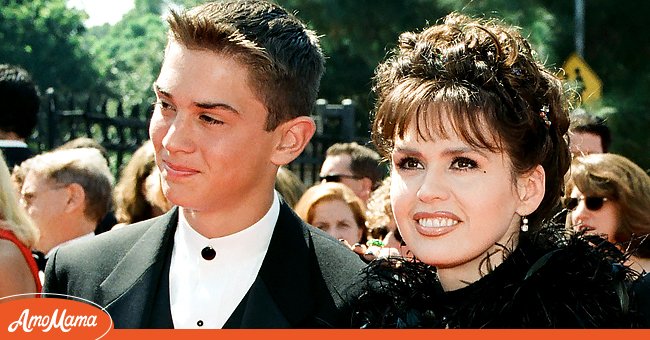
[
  {"x": 336, "y": 218},
  {"x": 598, "y": 221},
  {"x": 452, "y": 202}
]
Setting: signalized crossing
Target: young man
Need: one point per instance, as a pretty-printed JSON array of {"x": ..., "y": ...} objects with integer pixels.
[{"x": 237, "y": 83}]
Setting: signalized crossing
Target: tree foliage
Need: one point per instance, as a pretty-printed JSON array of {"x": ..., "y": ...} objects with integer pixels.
[
  {"x": 122, "y": 60},
  {"x": 44, "y": 37},
  {"x": 357, "y": 35},
  {"x": 617, "y": 48},
  {"x": 129, "y": 55}
]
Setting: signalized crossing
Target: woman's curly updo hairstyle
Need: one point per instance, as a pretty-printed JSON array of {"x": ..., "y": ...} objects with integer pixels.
[{"x": 483, "y": 79}]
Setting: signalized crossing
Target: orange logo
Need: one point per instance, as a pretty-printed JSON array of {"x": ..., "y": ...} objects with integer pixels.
[{"x": 27, "y": 316}]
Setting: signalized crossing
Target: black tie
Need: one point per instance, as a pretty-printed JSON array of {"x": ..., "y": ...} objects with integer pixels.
[{"x": 40, "y": 259}]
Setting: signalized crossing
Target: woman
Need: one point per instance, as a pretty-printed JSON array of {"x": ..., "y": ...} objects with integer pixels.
[
  {"x": 381, "y": 224},
  {"x": 289, "y": 185},
  {"x": 335, "y": 209},
  {"x": 474, "y": 128},
  {"x": 138, "y": 195},
  {"x": 17, "y": 235},
  {"x": 609, "y": 195}
]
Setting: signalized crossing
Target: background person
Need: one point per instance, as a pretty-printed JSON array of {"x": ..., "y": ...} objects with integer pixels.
[
  {"x": 588, "y": 134},
  {"x": 17, "y": 235},
  {"x": 335, "y": 209},
  {"x": 19, "y": 113},
  {"x": 132, "y": 190},
  {"x": 381, "y": 223},
  {"x": 607, "y": 194},
  {"x": 109, "y": 220},
  {"x": 66, "y": 193},
  {"x": 354, "y": 165},
  {"x": 289, "y": 185}
]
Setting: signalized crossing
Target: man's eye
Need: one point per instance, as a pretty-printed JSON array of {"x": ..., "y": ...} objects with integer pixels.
[{"x": 210, "y": 120}]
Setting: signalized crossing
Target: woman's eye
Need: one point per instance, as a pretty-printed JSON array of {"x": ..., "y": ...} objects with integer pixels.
[
  {"x": 463, "y": 163},
  {"x": 409, "y": 163},
  {"x": 321, "y": 226},
  {"x": 210, "y": 120},
  {"x": 344, "y": 225}
]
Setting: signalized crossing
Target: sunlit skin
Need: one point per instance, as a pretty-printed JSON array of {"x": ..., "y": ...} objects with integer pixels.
[
  {"x": 17, "y": 278},
  {"x": 603, "y": 221},
  {"x": 45, "y": 202},
  {"x": 214, "y": 156},
  {"x": 454, "y": 203},
  {"x": 337, "y": 219}
]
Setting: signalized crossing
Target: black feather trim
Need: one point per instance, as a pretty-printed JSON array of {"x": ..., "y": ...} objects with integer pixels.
[{"x": 555, "y": 278}]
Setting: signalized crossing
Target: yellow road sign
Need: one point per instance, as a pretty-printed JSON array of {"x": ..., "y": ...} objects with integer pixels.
[{"x": 587, "y": 82}]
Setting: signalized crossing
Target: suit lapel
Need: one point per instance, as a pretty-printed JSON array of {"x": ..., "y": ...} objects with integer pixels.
[
  {"x": 129, "y": 290},
  {"x": 257, "y": 310},
  {"x": 281, "y": 295}
]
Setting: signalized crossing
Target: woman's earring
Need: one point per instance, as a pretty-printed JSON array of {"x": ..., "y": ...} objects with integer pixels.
[{"x": 524, "y": 224}]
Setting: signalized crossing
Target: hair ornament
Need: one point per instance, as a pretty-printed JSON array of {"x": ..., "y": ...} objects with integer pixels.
[{"x": 543, "y": 113}]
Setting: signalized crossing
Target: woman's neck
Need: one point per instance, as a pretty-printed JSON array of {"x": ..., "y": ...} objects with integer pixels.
[{"x": 459, "y": 276}]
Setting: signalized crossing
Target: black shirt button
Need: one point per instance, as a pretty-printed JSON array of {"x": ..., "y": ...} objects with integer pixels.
[
  {"x": 208, "y": 253},
  {"x": 199, "y": 323}
]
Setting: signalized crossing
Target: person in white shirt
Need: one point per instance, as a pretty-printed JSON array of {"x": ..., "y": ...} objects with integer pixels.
[
  {"x": 19, "y": 113},
  {"x": 238, "y": 82}
]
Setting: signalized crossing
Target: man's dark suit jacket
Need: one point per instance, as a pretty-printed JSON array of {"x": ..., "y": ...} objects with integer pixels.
[{"x": 304, "y": 281}]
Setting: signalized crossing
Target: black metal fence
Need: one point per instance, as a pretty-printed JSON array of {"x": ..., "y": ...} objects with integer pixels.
[{"x": 122, "y": 131}]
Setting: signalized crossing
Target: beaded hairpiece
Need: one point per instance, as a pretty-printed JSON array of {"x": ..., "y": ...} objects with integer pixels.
[{"x": 543, "y": 113}]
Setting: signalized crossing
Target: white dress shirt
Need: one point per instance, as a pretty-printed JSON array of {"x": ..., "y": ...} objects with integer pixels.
[
  {"x": 204, "y": 293},
  {"x": 10, "y": 143}
]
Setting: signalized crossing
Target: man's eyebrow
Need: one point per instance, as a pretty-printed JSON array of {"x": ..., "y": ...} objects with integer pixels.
[
  {"x": 157, "y": 88},
  {"x": 205, "y": 106},
  {"x": 219, "y": 106}
]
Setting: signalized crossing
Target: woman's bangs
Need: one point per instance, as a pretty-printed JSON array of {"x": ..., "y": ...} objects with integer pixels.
[{"x": 451, "y": 112}]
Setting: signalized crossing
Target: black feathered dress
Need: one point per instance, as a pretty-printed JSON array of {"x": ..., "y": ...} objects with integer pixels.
[{"x": 554, "y": 278}]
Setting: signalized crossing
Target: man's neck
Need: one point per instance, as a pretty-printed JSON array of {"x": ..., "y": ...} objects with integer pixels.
[
  {"x": 10, "y": 135},
  {"x": 84, "y": 227},
  {"x": 228, "y": 221}
]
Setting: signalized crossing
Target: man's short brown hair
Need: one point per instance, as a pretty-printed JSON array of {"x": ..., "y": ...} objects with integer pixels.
[{"x": 283, "y": 57}]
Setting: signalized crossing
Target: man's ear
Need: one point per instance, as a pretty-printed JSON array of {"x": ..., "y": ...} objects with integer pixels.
[
  {"x": 293, "y": 138},
  {"x": 531, "y": 188},
  {"x": 366, "y": 183},
  {"x": 75, "y": 197}
]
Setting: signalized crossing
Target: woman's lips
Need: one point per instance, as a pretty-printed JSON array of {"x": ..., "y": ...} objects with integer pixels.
[
  {"x": 435, "y": 224},
  {"x": 584, "y": 227}
]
